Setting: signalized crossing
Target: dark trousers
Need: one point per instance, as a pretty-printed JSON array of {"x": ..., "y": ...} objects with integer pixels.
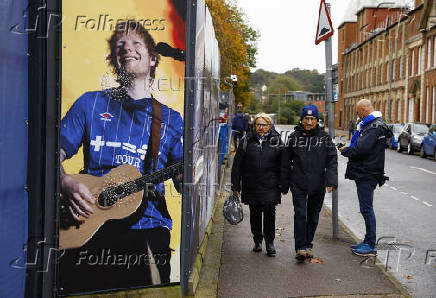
[
  {"x": 306, "y": 217},
  {"x": 237, "y": 135},
  {"x": 117, "y": 259},
  {"x": 269, "y": 222},
  {"x": 365, "y": 194}
]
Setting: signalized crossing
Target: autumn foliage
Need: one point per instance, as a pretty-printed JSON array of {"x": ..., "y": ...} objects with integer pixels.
[{"x": 237, "y": 43}]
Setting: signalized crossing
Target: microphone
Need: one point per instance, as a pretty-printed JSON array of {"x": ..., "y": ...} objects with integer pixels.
[{"x": 168, "y": 51}]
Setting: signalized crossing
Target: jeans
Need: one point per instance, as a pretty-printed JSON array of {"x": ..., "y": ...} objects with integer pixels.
[
  {"x": 123, "y": 261},
  {"x": 306, "y": 216},
  {"x": 269, "y": 222},
  {"x": 365, "y": 194}
]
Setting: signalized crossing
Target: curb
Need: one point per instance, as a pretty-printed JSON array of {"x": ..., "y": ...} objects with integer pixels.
[{"x": 403, "y": 290}]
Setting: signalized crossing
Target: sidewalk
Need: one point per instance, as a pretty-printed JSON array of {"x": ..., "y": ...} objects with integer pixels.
[{"x": 231, "y": 269}]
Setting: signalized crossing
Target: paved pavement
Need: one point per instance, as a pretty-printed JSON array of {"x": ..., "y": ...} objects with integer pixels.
[
  {"x": 405, "y": 210},
  {"x": 231, "y": 269}
]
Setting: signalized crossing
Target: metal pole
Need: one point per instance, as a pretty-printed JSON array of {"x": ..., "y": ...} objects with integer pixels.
[
  {"x": 331, "y": 113},
  {"x": 390, "y": 77},
  {"x": 278, "y": 118},
  {"x": 229, "y": 122},
  {"x": 186, "y": 253}
]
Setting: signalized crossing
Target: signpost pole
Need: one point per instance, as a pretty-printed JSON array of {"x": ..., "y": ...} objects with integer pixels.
[{"x": 331, "y": 122}]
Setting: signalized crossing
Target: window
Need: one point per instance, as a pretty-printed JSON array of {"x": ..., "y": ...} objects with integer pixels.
[
  {"x": 428, "y": 58},
  {"x": 399, "y": 110},
  {"x": 387, "y": 72},
  {"x": 367, "y": 79},
  {"x": 400, "y": 66},
  {"x": 434, "y": 105},
  {"x": 419, "y": 60},
  {"x": 434, "y": 51},
  {"x": 412, "y": 59},
  {"x": 427, "y": 110},
  {"x": 376, "y": 75}
]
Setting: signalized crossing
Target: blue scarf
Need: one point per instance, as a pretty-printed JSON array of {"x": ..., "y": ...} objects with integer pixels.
[{"x": 362, "y": 124}]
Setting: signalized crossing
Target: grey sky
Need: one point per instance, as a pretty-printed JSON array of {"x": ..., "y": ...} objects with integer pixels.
[{"x": 288, "y": 29}]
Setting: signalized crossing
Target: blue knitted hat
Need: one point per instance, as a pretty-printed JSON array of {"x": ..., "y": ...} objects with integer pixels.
[{"x": 310, "y": 110}]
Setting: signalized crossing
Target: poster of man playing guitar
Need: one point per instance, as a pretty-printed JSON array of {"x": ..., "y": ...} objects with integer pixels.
[{"x": 115, "y": 212}]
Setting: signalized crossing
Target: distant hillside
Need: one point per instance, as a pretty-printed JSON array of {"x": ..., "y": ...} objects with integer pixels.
[{"x": 295, "y": 79}]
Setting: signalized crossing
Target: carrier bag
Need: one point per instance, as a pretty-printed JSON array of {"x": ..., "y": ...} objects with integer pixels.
[{"x": 232, "y": 210}]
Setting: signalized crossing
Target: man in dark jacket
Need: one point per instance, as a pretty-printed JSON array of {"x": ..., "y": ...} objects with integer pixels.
[
  {"x": 259, "y": 165},
  {"x": 239, "y": 127},
  {"x": 313, "y": 164},
  {"x": 366, "y": 155},
  {"x": 350, "y": 129}
]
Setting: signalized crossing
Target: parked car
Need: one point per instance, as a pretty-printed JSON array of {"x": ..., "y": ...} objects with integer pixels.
[
  {"x": 411, "y": 137},
  {"x": 321, "y": 123},
  {"x": 396, "y": 129},
  {"x": 428, "y": 147}
]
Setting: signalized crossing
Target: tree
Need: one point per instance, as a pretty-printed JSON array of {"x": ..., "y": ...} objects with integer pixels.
[
  {"x": 283, "y": 83},
  {"x": 238, "y": 45},
  {"x": 255, "y": 106}
]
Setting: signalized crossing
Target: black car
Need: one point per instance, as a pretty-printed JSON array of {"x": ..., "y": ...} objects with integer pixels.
[{"x": 411, "y": 137}]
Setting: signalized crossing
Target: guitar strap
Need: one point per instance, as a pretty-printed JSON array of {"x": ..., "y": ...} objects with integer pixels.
[
  {"x": 154, "y": 140},
  {"x": 156, "y": 126},
  {"x": 153, "y": 154}
]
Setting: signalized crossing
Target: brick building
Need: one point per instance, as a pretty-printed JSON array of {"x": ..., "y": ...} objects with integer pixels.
[
  {"x": 386, "y": 53},
  {"x": 309, "y": 98}
]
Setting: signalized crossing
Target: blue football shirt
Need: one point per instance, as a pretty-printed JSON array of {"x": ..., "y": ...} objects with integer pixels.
[{"x": 116, "y": 132}]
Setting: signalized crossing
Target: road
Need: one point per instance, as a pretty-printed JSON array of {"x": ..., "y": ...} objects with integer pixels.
[{"x": 405, "y": 208}]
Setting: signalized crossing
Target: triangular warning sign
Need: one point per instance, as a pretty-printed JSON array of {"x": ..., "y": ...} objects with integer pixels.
[{"x": 325, "y": 27}]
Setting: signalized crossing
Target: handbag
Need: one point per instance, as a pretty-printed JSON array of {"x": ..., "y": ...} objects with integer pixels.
[{"x": 232, "y": 210}]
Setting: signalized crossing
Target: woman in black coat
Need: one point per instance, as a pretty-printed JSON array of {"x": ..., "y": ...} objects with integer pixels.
[{"x": 259, "y": 166}]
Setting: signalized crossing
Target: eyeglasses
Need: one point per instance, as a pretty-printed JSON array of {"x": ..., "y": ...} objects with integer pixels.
[{"x": 262, "y": 125}]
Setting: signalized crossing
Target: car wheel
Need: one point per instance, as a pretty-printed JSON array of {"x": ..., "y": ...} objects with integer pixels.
[
  {"x": 399, "y": 149},
  {"x": 422, "y": 152},
  {"x": 434, "y": 154},
  {"x": 410, "y": 149}
]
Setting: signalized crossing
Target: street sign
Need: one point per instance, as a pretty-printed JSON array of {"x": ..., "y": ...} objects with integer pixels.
[
  {"x": 325, "y": 27},
  {"x": 335, "y": 92}
]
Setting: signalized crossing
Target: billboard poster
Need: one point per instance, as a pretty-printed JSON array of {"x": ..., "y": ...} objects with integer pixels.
[{"x": 121, "y": 143}]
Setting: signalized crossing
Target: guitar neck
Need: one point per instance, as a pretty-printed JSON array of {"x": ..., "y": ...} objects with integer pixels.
[
  {"x": 111, "y": 195},
  {"x": 159, "y": 176}
]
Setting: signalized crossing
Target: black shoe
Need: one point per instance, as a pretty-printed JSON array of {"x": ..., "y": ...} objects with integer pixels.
[
  {"x": 257, "y": 246},
  {"x": 270, "y": 249}
]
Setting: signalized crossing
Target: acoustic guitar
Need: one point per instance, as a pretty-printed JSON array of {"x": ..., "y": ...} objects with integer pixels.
[{"x": 118, "y": 194}]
